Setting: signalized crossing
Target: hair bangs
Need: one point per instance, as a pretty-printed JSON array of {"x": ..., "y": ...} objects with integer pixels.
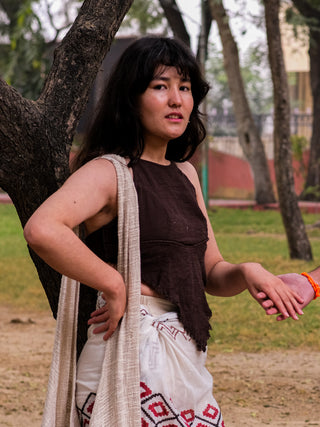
[{"x": 162, "y": 54}]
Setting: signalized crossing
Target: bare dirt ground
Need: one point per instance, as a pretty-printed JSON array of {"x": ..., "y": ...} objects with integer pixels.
[{"x": 276, "y": 388}]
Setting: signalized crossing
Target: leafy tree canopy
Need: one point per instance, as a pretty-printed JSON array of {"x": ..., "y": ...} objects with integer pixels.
[
  {"x": 31, "y": 31},
  {"x": 144, "y": 16},
  {"x": 29, "y": 44},
  {"x": 304, "y": 13}
]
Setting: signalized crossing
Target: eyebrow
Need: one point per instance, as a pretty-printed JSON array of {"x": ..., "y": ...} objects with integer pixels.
[{"x": 166, "y": 79}]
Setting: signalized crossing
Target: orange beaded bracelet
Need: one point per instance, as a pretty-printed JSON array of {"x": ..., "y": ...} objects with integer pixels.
[{"x": 315, "y": 285}]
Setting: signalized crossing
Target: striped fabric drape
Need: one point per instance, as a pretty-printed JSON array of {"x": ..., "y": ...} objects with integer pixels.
[{"x": 118, "y": 398}]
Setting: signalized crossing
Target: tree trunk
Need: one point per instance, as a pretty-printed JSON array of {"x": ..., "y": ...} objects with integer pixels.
[
  {"x": 312, "y": 13},
  {"x": 206, "y": 23},
  {"x": 313, "y": 175},
  {"x": 299, "y": 246},
  {"x": 35, "y": 137},
  {"x": 247, "y": 130}
]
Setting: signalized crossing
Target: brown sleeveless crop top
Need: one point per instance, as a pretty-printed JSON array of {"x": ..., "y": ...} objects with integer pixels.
[{"x": 173, "y": 241}]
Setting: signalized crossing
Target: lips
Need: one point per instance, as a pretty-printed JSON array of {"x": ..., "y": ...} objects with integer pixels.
[{"x": 174, "y": 116}]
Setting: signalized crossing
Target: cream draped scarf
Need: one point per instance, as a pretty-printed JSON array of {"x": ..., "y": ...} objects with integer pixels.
[{"x": 117, "y": 402}]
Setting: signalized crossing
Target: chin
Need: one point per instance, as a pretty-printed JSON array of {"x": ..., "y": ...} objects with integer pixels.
[{"x": 176, "y": 135}]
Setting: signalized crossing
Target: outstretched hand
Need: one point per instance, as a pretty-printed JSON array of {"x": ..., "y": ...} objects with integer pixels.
[{"x": 298, "y": 284}]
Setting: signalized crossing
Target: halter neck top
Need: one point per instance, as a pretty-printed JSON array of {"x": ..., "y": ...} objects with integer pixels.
[{"x": 173, "y": 241}]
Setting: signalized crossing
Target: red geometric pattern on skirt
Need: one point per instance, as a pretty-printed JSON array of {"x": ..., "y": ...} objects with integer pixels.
[
  {"x": 157, "y": 411},
  {"x": 160, "y": 412},
  {"x": 85, "y": 412}
]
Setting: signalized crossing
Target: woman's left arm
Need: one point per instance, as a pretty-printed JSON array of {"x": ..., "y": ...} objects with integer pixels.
[{"x": 226, "y": 279}]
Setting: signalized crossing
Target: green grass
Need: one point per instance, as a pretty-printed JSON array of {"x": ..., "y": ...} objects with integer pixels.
[
  {"x": 239, "y": 324},
  {"x": 19, "y": 283}
]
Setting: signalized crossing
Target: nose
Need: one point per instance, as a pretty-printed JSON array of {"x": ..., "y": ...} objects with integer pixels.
[{"x": 175, "y": 97}]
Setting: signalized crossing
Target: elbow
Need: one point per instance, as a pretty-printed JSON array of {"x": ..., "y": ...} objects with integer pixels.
[{"x": 35, "y": 233}]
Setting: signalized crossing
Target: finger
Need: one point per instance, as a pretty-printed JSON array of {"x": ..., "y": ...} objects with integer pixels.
[
  {"x": 262, "y": 295},
  {"x": 297, "y": 297},
  {"x": 267, "y": 304},
  {"x": 294, "y": 305},
  {"x": 99, "y": 311},
  {"x": 288, "y": 306},
  {"x": 271, "y": 311},
  {"x": 285, "y": 300},
  {"x": 278, "y": 302},
  {"x": 98, "y": 319},
  {"x": 109, "y": 332},
  {"x": 100, "y": 329},
  {"x": 270, "y": 304},
  {"x": 297, "y": 307}
]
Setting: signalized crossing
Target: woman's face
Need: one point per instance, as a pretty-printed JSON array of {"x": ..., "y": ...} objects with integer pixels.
[{"x": 165, "y": 106}]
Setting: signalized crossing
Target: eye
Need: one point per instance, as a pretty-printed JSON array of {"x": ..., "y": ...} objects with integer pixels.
[
  {"x": 159, "y": 86},
  {"x": 185, "y": 88}
]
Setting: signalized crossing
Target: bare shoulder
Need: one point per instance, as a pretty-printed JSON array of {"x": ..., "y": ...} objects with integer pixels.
[
  {"x": 97, "y": 166},
  {"x": 89, "y": 194},
  {"x": 98, "y": 173},
  {"x": 93, "y": 188},
  {"x": 190, "y": 171}
]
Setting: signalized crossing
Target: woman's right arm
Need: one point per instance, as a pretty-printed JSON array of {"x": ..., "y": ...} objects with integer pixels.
[{"x": 49, "y": 232}]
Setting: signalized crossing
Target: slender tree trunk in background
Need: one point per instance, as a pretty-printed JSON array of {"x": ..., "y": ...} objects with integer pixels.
[
  {"x": 36, "y": 136},
  {"x": 313, "y": 175},
  {"x": 299, "y": 246},
  {"x": 311, "y": 11},
  {"x": 206, "y": 21},
  {"x": 247, "y": 130}
]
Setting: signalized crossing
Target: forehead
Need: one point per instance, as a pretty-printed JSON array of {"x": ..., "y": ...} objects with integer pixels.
[{"x": 169, "y": 71}]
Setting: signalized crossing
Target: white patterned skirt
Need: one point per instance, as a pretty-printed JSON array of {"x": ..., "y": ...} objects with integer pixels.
[{"x": 175, "y": 386}]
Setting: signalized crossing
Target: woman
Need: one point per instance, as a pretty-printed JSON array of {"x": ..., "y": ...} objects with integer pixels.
[{"x": 149, "y": 114}]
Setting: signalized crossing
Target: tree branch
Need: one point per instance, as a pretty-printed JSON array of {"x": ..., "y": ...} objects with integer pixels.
[
  {"x": 173, "y": 15},
  {"x": 11, "y": 8},
  {"x": 306, "y": 9},
  {"x": 13, "y": 128},
  {"x": 77, "y": 60}
]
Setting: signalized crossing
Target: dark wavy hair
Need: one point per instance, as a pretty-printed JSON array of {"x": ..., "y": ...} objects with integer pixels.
[{"x": 116, "y": 127}]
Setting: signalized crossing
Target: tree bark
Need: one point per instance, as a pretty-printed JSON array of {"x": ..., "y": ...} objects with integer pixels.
[
  {"x": 247, "y": 130},
  {"x": 175, "y": 20},
  {"x": 299, "y": 246},
  {"x": 36, "y": 136},
  {"x": 206, "y": 22},
  {"x": 313, "y": 175}
]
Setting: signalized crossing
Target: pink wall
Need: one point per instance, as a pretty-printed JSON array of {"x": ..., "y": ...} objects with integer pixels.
[{"x": 231, "y": 177}]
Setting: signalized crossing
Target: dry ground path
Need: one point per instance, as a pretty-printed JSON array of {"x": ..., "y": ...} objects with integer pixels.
[{"x": 276, "y": 389}]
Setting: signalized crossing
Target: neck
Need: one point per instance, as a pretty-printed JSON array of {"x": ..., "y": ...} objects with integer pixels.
[{"x": 156, "y": 156}]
